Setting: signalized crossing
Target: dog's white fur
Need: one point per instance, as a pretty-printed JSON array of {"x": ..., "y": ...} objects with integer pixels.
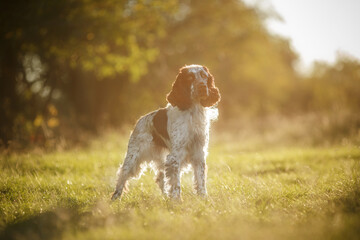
[{"x": 188, "y": 132}]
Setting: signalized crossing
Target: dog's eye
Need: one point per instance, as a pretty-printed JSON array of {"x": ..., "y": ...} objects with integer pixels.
[{"x": 202, "y": 74}]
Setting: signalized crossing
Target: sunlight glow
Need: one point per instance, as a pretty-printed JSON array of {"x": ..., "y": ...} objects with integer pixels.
[{"x": 319, "y": 30}]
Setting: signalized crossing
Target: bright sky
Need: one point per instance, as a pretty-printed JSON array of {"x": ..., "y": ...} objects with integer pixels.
[{"x": 318, "y": 29}]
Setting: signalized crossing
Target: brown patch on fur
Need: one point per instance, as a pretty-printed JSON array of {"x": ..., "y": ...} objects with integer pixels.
[
  {"x": 160, "y": 125},
  {"x": 179, "y": 95}
]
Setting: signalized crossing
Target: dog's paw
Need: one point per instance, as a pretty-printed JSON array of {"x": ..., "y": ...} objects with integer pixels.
[{"x": 115, "y": 195}]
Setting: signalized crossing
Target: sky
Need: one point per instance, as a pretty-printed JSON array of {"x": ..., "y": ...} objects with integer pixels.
[{"x": 318, "y": 29}]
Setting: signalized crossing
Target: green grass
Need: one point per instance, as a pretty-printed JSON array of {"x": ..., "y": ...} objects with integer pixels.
[{"x": 281, "y": 193}]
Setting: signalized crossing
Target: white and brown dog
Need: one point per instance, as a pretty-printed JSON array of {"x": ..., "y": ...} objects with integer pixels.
[{"x": 176, "y": 136}]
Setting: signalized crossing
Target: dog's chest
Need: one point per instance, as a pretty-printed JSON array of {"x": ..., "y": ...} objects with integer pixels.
[
  {"x": 188, "y": 127},
  {"x": 198, "y": 126}
]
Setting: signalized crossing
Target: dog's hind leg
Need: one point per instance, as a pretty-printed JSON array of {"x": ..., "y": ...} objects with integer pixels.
[
  {"x": 159, "y": 158},
  {"x": 130, "y": 168}
]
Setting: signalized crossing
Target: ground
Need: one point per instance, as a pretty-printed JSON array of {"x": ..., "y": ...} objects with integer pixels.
[{"x": 265, "y": 193}]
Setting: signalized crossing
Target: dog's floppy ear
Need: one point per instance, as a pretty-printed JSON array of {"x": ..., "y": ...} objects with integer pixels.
[
  {"x": 214, "y": 94},
  {"x": 180, "y": 95}
]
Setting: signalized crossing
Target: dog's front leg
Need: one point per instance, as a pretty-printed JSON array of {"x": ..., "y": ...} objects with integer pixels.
[
  {"x": 199, "y": 166},
  {"x": 172, "y": 173}
]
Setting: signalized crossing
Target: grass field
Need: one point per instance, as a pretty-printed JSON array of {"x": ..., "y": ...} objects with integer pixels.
[{"x": 279, "y": 193}]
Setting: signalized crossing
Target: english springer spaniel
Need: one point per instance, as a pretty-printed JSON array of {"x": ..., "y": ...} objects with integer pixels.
[{"x": 175, "y": 136}]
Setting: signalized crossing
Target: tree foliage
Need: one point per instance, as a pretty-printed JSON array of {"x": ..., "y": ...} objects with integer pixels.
[{"x": 64, "y": 47}]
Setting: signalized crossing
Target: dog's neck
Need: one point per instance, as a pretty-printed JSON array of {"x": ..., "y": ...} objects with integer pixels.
[{"x": 199, "y": 117}]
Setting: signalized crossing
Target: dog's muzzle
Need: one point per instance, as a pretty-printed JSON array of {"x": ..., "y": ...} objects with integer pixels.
[{"x": 202, "y": 91}]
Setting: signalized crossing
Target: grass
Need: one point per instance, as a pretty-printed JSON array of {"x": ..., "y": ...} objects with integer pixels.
[{"x": 280, "y": 193}]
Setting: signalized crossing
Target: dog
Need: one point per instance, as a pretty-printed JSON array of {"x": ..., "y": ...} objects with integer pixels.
[{"x": 176, "y": 136}]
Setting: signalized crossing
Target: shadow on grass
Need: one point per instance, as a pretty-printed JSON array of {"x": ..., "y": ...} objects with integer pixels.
[
  {"x": 350, "y": 202},
  {"x": 55, "y": 223},
  {"x": 347, "y": 218},
  {"x": 47, "y": 225}
]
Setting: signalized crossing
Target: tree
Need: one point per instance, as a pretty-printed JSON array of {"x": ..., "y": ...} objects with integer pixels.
[{"x": 71, "y": 39}]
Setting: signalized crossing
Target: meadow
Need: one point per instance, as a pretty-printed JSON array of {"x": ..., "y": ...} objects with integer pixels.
[{"x": 254, "y": 193}]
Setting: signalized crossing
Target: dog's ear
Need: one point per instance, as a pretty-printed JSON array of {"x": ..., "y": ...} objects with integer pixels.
[
  {"x": 214, "y": 94},
  {"x": 180, "y": 94}
]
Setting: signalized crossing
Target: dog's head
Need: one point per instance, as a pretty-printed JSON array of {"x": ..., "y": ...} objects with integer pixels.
[{"x": 193, "y": 84}]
